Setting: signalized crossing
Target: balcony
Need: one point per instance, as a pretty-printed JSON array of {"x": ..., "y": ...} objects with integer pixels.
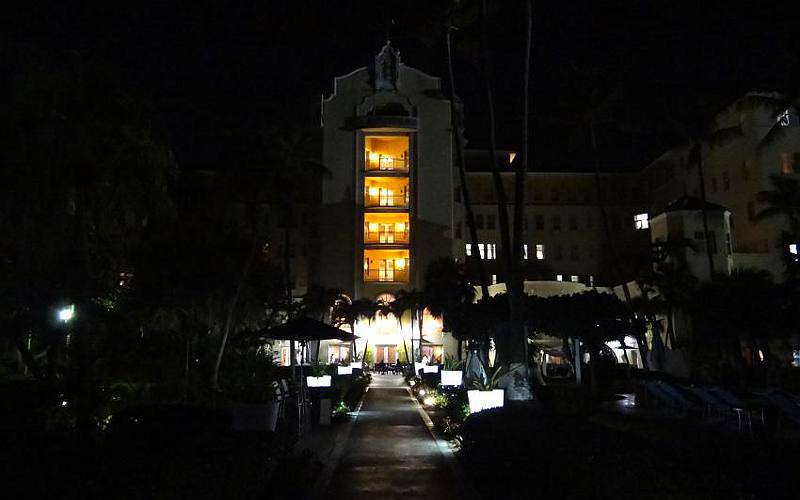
[
  {"x": 386, "y": 265},
  {"x": 375, "y": 162},
  {"x": 385, "y": 198},
  {"x": 385, "y": 237},
  {"x": 386, "y": 275}
]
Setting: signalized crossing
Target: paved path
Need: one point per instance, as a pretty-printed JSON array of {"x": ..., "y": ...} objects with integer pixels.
[{"x": 390, "y": 453}]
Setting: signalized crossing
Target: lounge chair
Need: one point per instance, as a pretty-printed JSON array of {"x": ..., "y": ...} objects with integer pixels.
[
  {"x": 676, "y": 395},
  {"x": 658, "y": 390},
  {"x": 725, "y": 406},
  {"x": 785, "y": 403}
]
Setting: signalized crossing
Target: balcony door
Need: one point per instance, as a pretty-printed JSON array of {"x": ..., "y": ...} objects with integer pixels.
[
  {"x": 386, "y": 234},
  {"x": 386, "y": 270},
  {"x": 386, "y": 197}
]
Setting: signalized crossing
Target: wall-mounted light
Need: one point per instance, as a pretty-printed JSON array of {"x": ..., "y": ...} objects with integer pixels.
[
  {"x": 66, "y": 313},
  {"x": 400, "y": 264},
  {"x": 373, "y": 191}
]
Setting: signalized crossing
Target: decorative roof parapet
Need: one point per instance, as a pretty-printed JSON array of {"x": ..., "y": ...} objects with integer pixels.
[{"x": 386, "y": 63}]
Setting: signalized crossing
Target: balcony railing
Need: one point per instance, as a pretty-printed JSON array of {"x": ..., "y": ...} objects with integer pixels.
[
  {"x": 386, "y": 237},
  {"x": 387, "y": 164},
  {"x": 386, "y": 275},
  {"x": 385, "y": 199}
]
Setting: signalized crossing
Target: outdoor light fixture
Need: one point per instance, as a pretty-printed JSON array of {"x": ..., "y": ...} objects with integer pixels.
[
  {"x": 429, "y": 401},
  {"x": 66, "y": 313},
  {"x": 423, "y": 392},
  {"x": 412, "y": 383}
]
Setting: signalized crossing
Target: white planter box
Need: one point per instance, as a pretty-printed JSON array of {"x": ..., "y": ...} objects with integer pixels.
[
  {"x": 418, "y": 367},
  {"x": 483, "y": 400},
  {"x": 452, "y": 377},
  {"x": 344, "y": 370},
  {"x": 323, "y": 381},
  {"x": 356, "y": 364},
  {"x": 255, "y": 417},
  {"x": 430, "y": 369}
]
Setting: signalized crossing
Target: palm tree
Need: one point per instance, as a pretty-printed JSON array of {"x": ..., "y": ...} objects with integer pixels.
[
  {"x": 318, "y": 303},
  {"x": 700, "y": 132},
  {"x": 345, "y": 313},
  {"x": 746, "y": 305},
  {"x": 402, "y": 303},
  {"x": 278, "y": 169},
  {"x": 456, "y": 117},
  {"x": 669, "y": 275},
  {"x": 447, "y": 295},
  {"x": 365, "y": 309}
]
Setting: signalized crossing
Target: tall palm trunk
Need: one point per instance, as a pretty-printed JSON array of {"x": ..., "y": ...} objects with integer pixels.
[
  {"x": 187, "y": 354},
  {"x": 512, "y": 346},
  {"x": 703, "y": 211},
  {"x": 232, "y": 307},
  {"x": 462, "y": 177},
  {"x": 642, "y": 344},
  {"x": 671, "y": 325}
]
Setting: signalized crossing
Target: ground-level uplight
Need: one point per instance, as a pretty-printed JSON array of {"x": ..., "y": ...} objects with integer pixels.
[
  {"x": 429, "y": 401},
  {"x": 423, "y": 392}
]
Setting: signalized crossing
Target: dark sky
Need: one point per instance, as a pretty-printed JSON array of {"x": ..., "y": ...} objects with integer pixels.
[{"x": 213, "y": 67}]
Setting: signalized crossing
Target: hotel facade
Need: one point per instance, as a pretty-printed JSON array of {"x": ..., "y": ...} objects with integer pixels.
[{"x": 392, "y": 204}]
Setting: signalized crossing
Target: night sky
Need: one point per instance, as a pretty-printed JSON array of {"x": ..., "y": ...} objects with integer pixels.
[{"x": 210, "y": 68}]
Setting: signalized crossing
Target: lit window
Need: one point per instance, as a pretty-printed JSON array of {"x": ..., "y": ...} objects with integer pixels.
[
  {"x": 573, "y": 278},
  {"x": 480, "y": 250},
  {"x": 640, "y": 221},
  {"x": 494, "y": 279},
  {"x": 559, "y": 277},
  {"x": 491, "y": 251},
  {"x": 539, "y": 252},
  {"x": 525, "y": 251},
  {"x": 468, "y": 249},
  {"x": 793, "y": 248},
  {"x": 591, "y": 280}
]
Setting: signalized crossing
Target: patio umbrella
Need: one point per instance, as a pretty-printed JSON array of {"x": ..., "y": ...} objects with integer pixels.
[{"x": 305, "y": 329}]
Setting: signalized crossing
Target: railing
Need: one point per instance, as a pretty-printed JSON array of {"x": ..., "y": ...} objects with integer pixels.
[
  {"x": 387, "y": 163},
  {"x": 386, "y": 200},
  {"x": 386, "y": 237},
  {"x": 390, "y": 275}
]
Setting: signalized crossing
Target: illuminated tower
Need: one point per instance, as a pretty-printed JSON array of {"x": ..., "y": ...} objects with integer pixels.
[{"x": 387, "y": 207}]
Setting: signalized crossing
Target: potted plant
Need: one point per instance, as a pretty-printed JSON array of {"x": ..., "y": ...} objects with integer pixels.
[
  {"x": 319, "y": 376},
  {"x": 255, "y": 407},
  {"x": 485, "y": 394},
  {"x": 452, "y": 373}
]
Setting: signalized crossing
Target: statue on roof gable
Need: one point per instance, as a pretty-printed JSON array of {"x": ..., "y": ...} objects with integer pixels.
[{"x": 386, "y": 64}]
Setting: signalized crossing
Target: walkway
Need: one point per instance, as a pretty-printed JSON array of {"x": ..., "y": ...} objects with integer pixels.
[{"x": 390, "y": 453}]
